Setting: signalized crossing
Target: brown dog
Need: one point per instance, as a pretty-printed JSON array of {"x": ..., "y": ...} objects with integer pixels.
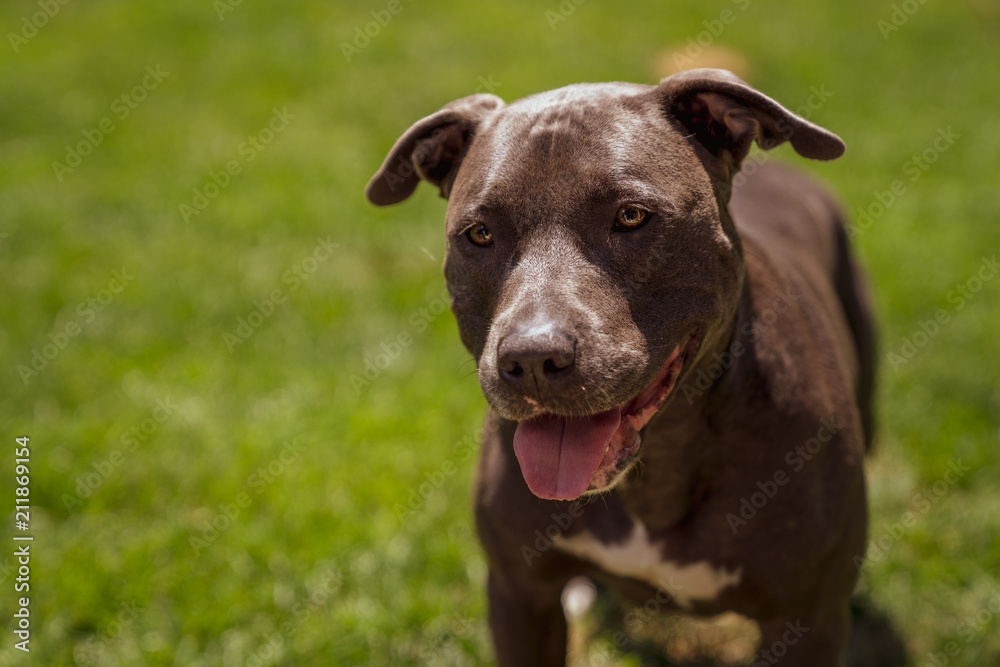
[{"x": 692, "y": 345}]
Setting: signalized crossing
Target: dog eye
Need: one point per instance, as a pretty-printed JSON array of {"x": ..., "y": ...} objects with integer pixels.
[
  {"x": 630, "y": 217},
  {"x": 480, "y": 235}
]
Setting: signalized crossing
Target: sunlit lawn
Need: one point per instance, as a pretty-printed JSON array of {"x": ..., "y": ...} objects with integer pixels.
[{"x": 208, "y": 484}]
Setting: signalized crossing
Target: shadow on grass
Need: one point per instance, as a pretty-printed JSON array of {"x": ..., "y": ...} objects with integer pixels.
[{"x": 729, "y": 640}]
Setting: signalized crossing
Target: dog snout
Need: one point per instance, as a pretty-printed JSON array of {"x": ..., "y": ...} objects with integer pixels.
[{"x": 533, "y": 360}]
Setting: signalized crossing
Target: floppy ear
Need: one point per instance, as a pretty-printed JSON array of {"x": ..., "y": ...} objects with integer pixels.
[
  {"x": 431, "y": 149},
  {"x": 725, "y": 115}
]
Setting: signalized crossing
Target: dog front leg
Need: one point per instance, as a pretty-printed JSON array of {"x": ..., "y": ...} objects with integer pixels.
[
  {"x": 809, "y": 640},
  {"x": 529, "y": 627}
]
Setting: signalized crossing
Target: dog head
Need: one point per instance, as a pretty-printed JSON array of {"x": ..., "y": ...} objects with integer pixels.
[{"x": 590, "y": 250}]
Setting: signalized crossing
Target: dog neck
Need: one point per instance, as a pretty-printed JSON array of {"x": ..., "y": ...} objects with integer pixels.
[{"x": 672, "y": 478}]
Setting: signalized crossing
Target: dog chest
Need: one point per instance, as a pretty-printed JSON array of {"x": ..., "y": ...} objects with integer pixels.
[{"x": 638, "y": 557}]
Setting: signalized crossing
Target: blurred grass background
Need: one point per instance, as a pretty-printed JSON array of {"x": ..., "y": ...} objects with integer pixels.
[{"x": 151, "y": 424}]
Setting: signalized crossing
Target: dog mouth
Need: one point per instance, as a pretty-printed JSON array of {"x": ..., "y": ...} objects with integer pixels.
[{"x": 562, "y": 458}]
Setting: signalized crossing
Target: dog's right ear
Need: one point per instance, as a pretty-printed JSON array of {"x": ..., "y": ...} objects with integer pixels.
[{"x": 431, "y": 149}]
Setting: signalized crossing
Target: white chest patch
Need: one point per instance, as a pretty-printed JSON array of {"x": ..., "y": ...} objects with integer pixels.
[{"x": 639, "y": 558}]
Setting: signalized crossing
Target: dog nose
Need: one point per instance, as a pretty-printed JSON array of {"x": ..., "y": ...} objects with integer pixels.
[{"x": 536, "y": 357}]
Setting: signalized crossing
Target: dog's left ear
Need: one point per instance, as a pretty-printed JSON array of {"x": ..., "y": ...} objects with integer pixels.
[
  {"x": 431, "y": 150},
  {"x": 725, "y": 115}
]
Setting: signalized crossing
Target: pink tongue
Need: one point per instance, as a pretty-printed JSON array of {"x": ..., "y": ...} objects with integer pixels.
[{"x": 559, "y": 455}]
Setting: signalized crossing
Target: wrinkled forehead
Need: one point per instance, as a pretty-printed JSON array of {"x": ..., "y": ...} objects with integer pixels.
[{"x": 574, "y": 142}]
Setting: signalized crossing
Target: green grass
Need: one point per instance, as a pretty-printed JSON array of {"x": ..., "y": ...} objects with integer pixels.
[{"x": 318, "y": 562}]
